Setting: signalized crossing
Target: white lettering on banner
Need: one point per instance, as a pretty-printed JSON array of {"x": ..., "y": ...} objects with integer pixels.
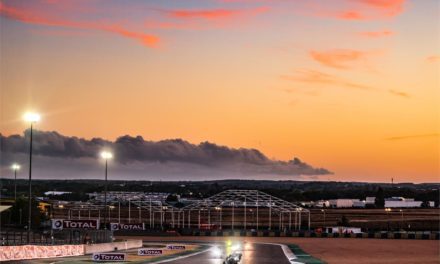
[
  {"x": 79, "y": 224},
  {"x": 150, "y": 252},
  {"x": 121, "y": 226},
  {"x": 176, "y": 247},
  {"x": 108, "y": 257}
]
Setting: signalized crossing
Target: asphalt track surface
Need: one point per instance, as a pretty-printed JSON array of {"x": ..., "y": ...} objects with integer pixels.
[{"x": 252, "y": 254}]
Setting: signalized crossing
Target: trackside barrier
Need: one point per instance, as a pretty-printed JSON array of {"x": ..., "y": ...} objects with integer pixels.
[
  {"x": 8, "y": 253},
  {"x": 107, "y": 247},
  {"x": 277, "y": 233}
]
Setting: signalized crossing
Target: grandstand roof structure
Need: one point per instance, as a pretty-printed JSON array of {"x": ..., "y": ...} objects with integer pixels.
[
  {"x": 247, "y": 209},
  {"x": 245, "y": 198}
]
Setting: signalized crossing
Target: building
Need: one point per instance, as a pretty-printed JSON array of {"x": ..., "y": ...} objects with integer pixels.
[
  {"x": 56, "y": 193},
  {"x": 370, "y": 200},
  {"x": 322, "y": 204},
  {"x": 129, "y": 196},
  {"x": 359, "y": 204},
  {"x": 400, "y": 202},
  {"x": 342, "y": 203}
]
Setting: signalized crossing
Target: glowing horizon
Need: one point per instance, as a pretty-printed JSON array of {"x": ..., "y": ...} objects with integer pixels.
[{"x": 351, "y": 87}]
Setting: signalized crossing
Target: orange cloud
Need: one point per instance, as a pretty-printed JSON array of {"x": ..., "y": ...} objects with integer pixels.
[
  {"x": 215, "y": 14},
  {"x": 350, "y": 15},
  {"x": 204, "y": 18},
  {"x": 363, "y": 9},
  {"x": 400, "y": 93},
  {"x": 206, "y": 14},
  {"x": 388, "y": 7},
  {"x": 340, "y": 58},
  {"x": 29, "y": 17},
  {"x": 319, "y": 78},
  {"x": 145, "y": 39},
  {"x": 376, "y": 34},
  {"x": 434, "y": 58},
  {"x": 414, "y": 136}
]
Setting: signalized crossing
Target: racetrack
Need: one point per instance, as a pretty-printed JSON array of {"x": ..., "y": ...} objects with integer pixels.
[
  {"x": 252, "y": 254},
  {"x": 345, "y": 250}
]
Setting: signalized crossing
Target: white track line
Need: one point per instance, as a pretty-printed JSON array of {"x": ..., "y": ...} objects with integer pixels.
[{"x": 287, "y": 252}]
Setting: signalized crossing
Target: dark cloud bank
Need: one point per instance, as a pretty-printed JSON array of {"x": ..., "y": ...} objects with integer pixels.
[{"x": 59, "y": 156}]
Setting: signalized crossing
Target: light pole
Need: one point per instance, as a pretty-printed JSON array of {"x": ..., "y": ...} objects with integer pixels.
[
  {"x": 232, "y": 216},
  {"x": 106, "y": 156},
  {"x": 15, "y": 167},
  {"x": 323, "y": 211},
  {"x": 119, "y": 211},
  {"x": 111, "y": 207},
  {"x": 401, "y": 211},
  {"x": 388, "y": 210},
  {"x": 30, "y": 118},
  {"x": 219, "y": 209}
]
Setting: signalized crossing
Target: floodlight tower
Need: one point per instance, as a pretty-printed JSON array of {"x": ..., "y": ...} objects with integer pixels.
[
  {"x": 30, "y": 118},
  {"x": 106, "y": 155},
  {"x": 15, "y": 167}
]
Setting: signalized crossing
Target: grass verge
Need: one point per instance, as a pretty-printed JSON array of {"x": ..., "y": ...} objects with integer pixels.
[{"x": 303, "y": 257}]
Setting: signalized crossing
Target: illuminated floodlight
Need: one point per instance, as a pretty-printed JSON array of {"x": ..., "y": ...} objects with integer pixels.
[
  {"x": 31, "y": 117},
  {"x": 106, "y": 155},
  {"x": 15, "y": 166}
]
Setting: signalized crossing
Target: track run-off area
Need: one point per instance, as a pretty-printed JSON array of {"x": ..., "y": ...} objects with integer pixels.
[
  {"x": 338, "y": 251},
  {"x": 266, "y": 250}
]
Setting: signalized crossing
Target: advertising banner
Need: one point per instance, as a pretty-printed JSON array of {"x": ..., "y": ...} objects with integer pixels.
[
  {"x": 108, "y": 257},
  {"x": 74, "y": 224},
  {"x": 176, "y": 247},
  {"x": 150, "y": 252},
  {"x": 131, "y": 226}
]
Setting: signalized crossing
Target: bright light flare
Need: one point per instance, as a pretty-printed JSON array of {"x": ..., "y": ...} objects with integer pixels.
[
  {"x": 247, "y": 246},
  {"x": 15, "y": 166},
  {"x": 106, "y": 155},
  {"x": 236, "y": 247},
  {"x": 31, "y": 117},
  {"x": 216, "y": 252}
]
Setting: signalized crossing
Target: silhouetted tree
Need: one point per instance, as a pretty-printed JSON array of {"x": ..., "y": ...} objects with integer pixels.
[
  {"x": 19, "y": 211},
  {"x": 172, "y": 198},
  {"x": 380, "y": 199}
]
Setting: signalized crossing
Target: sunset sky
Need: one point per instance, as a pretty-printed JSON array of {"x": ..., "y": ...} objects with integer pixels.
[{"x": 347, "y": 85}]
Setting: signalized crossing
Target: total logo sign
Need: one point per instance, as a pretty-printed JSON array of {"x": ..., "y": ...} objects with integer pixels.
[
  {"x": 74, "y": 224},
  {"x": 150, "y": 252},
  {"x": 57, "y": 223},
  {"x": 108, "y": 257},
  {"x": 176, "y": 247},
  {"x": 121, "y": 226}
]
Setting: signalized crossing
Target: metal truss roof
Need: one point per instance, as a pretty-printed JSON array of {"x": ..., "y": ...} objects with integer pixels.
[
  {"x": 144, "y": 204},
  {"x": 153, "y": 205},
  {"x": 245, "y": 198}
]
